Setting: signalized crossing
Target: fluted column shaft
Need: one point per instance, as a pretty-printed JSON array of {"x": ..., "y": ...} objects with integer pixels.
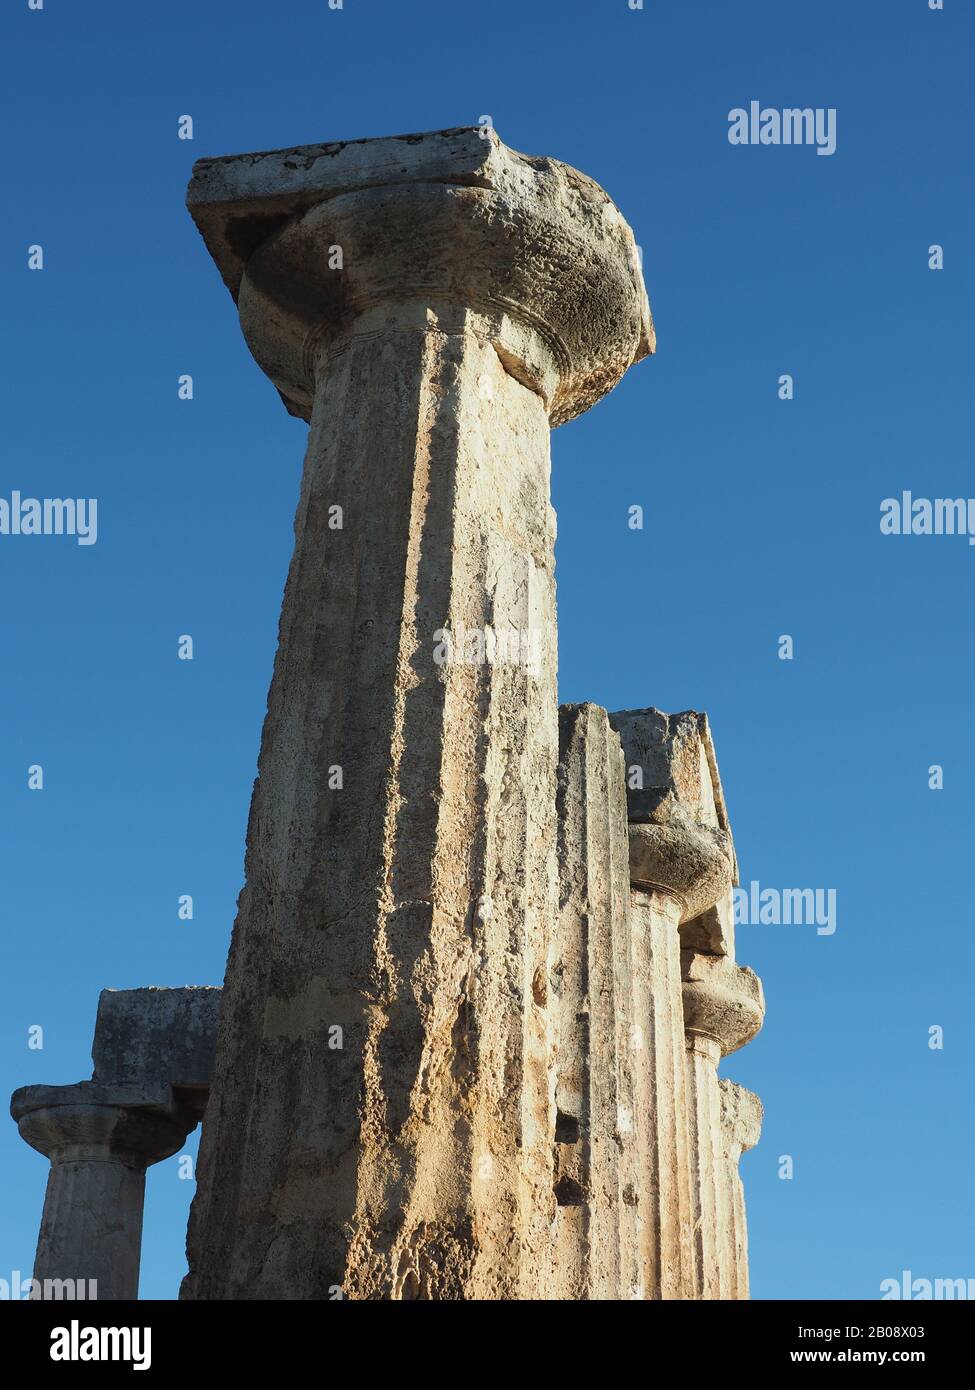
[
  {"x": 723, "y": 1009},
  {"x": 381, "y": 1121},
  {"x": 599, "y": 1135},
  {"x": 704, "y": 1120},
  {"x": 409, "y": 905},
  {"x": 681, "y": 861},
  {"x": 666, "y": 1245},
  {"x": 91, "y": 1227}
]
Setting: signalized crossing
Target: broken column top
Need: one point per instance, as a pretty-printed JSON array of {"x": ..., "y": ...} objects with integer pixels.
[
  {"x": 680, "y": 838},
  {"x": 155, "y": 1038},
  {"x": 675, "y": 755},
  {"x": 449, "y": 216},
  {"x": 153, "y": 1051}
]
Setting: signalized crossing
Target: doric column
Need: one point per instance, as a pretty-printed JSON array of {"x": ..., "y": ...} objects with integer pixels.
[
  {"x": 100, "y": 1142},
  {"x": 599, "y": 1131},
  {"x": 741, "y": 1128},
  {"x": 723, "y": 1009},
  {"x": 681, "y": 862},
  {"x": 153, "y": 1052},
  {"x": 668, "y": 1259},
  {"x": 381, "y": 1119}
]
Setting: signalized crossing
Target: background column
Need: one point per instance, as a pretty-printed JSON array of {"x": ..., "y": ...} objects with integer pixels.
[
  {"x": 723, "y": 1010},
  {"x": 91, "y": 1228}
]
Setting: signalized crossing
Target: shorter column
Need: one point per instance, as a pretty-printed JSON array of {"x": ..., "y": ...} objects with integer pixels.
[
  {"x": 662, "y": 1113},
  {"x": 99, "y": 1148},
  {"x": 682, "y": 864},
  {"x": 100, "y": 1142},
  {"x": 598, "y": 1151},
  {"x": 153, "y": 1053},
  {"x": 741, "y": 1128},
  {"x": 723, "y": 1010}
]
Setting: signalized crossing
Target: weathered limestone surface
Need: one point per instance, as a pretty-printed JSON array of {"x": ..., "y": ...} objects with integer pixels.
[
  {"x": 483, "y": 970},
  {"x": 680, "y": 839},
  {"x": 669, "y": 1259},
  {"x": 160, "y": 1040},
  {"x": 741, "y": 1128},
  {"x": 451, "y": 216},
  {"x": 702, "y": 1006},
  {"x": 680, "y": 854},
  {"x": 713, "y": 931},
  {"x": 723, "y": 1010},
  {"x": 152, "y": 1051},
  {"x": 599, "y": 1138},
  {"x": 382, "y": 1117}
]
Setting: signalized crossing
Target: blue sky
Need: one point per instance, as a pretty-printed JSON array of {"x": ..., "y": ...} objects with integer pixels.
[{"x": 762, "y": 519}]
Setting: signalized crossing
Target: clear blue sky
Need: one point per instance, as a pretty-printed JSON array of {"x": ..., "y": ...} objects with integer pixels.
[{"x": 762, "y": 518}]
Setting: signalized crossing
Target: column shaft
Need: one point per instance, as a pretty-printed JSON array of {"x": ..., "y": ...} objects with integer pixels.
[
  {"x": 723, "y": 1009},
  {"x": 100, "y": 1141},
  {"x": 707, "y": 1166},
  {"x": 382, "y": 1117},
  {"x": 412, "y": 905},
  {"x": 666, "y": 1242},
  {"x": 598, "y": 1177},
  {"x": 91, "y": 1228}
]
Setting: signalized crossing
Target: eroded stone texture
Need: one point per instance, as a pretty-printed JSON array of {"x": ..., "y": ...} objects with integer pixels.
[
  {"x": 712, "y": 931},
  {"x": 451, "y": 216},
  {"x": 157, "y": 1039},
  {"x": 600, "y": 1143},
  {"x": 669, "y": 1257},
  {"x": 701, "y": 1006},
  {"x": 382, "y": 1118},
  {"x": 723, "y": 1010},
  {"x": 680, "y": 838},
  {"x": 741, "y": 1128},
  {"x": 680, "y": 855}
]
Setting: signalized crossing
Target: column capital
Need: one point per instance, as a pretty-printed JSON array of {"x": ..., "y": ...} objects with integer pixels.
[
  {"x": 90, "y": 1123},
  {"x": 680, "y": 838},
  {"x": 310, "y": 240},
  {"x": 688, "y": 862},
  {"x": 724, "y": 1004}
]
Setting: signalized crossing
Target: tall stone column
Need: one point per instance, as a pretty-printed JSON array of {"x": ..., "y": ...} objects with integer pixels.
[
  {"x": 381, "y": 1120},
  {"x": 723, "y": 1010},
  {"x": 668, "y": 1256},
  {"x": 681, "y": 857},
  {"x": 682, "y": 866},
  {"x": 100, "y": 1143},
  {"x": 600, "y": 1175}
]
